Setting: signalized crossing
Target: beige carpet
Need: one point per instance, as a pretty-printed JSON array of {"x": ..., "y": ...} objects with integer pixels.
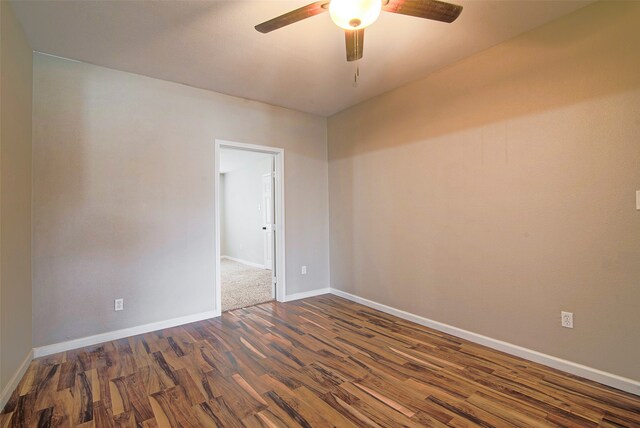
[{"x": 243, "y": 285}]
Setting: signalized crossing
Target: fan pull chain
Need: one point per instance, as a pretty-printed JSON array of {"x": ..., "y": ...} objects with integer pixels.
[{"x": 356, "y": 77}]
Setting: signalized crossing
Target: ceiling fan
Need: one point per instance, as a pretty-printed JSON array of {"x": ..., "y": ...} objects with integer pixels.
[{"x": 354, "y": 15}]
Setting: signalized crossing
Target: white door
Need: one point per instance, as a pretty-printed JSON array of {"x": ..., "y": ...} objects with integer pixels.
[{"x": 267, "y": 219}]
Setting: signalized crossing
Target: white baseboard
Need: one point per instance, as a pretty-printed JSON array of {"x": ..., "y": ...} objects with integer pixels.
[
  {"x": 119, "y": 334},
  {"x": 244, "y": 262},
  {"x": 610, "y": 379},
  {"x": 305, "y": 294},
  {"x": 5, "y": 395}
]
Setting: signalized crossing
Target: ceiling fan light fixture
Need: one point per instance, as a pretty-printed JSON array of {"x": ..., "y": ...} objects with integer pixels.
[{"x": 354, "y": 14}]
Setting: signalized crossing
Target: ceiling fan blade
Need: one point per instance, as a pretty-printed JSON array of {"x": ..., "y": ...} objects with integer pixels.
[
  {"x": 293, "y": 16},
  {"x": 428, "y": 9},
  {"x": 355, "y": 42}
]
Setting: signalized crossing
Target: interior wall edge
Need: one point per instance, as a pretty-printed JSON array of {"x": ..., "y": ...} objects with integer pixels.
[
  {"x": 15, "y": 380},
  {"x": 16, "y": 108},
  {"x": 610, "y": 379}
]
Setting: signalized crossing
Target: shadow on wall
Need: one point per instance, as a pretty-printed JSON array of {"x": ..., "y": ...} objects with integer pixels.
[{"x": 589, "y": 54}]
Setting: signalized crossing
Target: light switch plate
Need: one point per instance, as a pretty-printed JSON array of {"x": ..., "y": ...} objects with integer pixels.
[{"x": 638, "y": 199}]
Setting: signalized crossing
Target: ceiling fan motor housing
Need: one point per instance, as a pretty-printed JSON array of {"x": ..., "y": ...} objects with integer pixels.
[{"x": 354, "y": 14}]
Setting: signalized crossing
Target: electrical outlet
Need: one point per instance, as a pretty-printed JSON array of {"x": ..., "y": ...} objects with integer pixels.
[
  {"x": 566, "y": 319},
  {"x": 118, "y": 305},
  {"x": 304, "y": 270}
]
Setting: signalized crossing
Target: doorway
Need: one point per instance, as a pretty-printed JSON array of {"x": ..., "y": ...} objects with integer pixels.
[{"x": 249, "y": 209}]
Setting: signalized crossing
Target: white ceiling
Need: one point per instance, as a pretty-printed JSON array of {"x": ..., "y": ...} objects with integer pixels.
[
  {"x": 231, "y": 159},
  {"x": 212, "y": 44}
]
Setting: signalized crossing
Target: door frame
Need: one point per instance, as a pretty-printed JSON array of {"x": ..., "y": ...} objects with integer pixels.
[{"x": 279, "y": 252}]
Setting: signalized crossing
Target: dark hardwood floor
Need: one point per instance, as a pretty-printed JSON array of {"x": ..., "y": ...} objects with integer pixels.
[{"x": 317, "y": 362}]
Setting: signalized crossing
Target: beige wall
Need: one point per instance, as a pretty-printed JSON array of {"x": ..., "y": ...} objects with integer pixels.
[
  {"x": 15, "y": 195},
  {"x": 499, "y": 191},
  {"x": 123, "y": 195}
]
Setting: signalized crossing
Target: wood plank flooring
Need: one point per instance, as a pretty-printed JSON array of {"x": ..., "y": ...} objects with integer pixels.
[{"x": 317, "y": 362}]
